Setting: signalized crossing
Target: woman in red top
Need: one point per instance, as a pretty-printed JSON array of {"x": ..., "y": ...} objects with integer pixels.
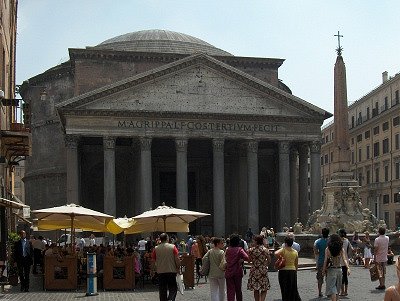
[{"x": 234, "y": 256}]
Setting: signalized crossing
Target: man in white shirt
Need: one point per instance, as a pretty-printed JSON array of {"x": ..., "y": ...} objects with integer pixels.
[
  {"x": 142, "y": 246},
  {"x": 381, "y": 245}
]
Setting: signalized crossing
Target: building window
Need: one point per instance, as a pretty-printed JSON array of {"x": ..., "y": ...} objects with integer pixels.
[
  {"x": 326, "y": 159},
  {"x": 396, "y": 197},
  {"x": 368, "y": 177},
  {"x": 396, "y": 121},
  {"x": 387, "y": 219},
  {"x": 359, "y": 119},
  {"x": 397, "y": 97},
  {"x": 386, "y": 199},
  {"x": 386, "y": 103},
  {"x": 385, "y": 126},
  {"x": 385, "y": 146},
  {"x": 326, "y": 139},
  {"x": 367, "y": 134},
  {"x": 367, "y": 113},
  {"x": 360, "y": 179},
  {"x": 377, "y": 175},
  {"x": 359, "y": 138},
  {"x": 359, "y": 155},
  {"x": 376, "y": 149},
  {"x": 352, "y": 157},
  {"x": 352, "y": 121},
  {"x": 376, "y": 130},
  {"x": 375, "y": 110},
  {"x": 386, "y": 173},
  {"x": 397, "y": 168},
  {"x": 331, "y": 156},
  {"x": 368, "y": 155},
  {"x": 396, "y": 141}
]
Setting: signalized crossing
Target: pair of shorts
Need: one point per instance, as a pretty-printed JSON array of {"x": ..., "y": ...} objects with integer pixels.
[
  {"x": 381, "y": 268},
  {"x": 320, "y": 276}
]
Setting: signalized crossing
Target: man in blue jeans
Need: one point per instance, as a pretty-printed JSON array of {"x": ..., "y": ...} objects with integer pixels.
[{"x": 166, "y": 257}]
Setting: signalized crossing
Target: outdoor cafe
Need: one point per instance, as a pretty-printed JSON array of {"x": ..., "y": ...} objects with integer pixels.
[{"x": 119, "y": 268}]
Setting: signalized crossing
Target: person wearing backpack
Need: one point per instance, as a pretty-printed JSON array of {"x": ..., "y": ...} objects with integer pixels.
[{"x": 334, "y": 254}]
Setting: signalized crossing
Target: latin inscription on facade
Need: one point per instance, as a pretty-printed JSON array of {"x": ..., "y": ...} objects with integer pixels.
[{"x": 199, "y": 126}]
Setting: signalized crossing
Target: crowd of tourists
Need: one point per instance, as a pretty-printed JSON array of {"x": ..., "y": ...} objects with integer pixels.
[{"x": 222, "y": 261}]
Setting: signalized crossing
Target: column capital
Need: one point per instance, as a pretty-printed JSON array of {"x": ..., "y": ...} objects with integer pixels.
[
  {"x": 71, "y": 141},
  {"x": 181, "y": 144},
  {"x": 303, "y": 149},
  {"x": 284, "y": 147},
  {"x": 315, "y": 147},
  {"x": 145, "y": 143},
  {"x": 252, "y": 146},
  {"x": 109, "y": 142},
  {"x": 218, "y": 145}
]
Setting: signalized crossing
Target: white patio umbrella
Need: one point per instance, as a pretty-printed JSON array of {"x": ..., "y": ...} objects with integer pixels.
[
  {"x": 72, "y": 216},
  {"x": 164, "y": 219}
]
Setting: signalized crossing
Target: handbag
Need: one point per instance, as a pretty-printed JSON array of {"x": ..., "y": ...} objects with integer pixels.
[
  {"x": 179, "y": 283},
  {"x": 205, "y": 264},
  {"x": 280, "y": 262},
  {"x": 373, "y": 271},
  {"x": 222, "y": 265}
]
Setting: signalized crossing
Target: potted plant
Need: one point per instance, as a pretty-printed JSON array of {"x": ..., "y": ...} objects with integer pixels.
[{"x": 12, "y": 270}]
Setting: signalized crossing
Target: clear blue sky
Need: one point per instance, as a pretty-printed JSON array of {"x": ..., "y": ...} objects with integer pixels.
[{"x": 302, "y": 32}]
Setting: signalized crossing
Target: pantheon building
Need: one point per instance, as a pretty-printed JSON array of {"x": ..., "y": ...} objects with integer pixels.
[{"x": 158, "y": 116}]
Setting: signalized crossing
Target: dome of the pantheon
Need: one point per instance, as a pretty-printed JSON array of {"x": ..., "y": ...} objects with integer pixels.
[{"x": 160, "y": 41}]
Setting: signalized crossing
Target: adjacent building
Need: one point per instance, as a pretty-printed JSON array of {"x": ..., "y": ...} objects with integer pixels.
[
  {"x": 14, "y": 136},
  {"x": 374, "y": 125}
]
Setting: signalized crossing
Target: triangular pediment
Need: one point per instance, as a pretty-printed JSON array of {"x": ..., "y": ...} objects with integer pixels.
[{"x": 197, "y": 84}]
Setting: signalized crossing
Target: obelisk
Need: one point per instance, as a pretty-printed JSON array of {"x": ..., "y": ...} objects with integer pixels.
[
  {"x": 342, "y": 206},
  {"x": 341, "y": 147}
]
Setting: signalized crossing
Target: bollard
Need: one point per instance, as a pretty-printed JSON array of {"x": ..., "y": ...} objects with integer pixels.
[{"x": 91, "y": 275}]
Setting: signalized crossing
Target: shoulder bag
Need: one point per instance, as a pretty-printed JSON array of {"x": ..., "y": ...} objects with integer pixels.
[{"x": 280, "y": 262}]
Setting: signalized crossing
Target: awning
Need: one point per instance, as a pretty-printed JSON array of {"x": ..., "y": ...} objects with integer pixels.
[
  {"x": 12, "y": 204},
  {"x": 25, "y": 220}
]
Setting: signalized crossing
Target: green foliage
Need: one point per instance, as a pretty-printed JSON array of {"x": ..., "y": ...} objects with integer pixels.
[{"x": 12, "y": 239}]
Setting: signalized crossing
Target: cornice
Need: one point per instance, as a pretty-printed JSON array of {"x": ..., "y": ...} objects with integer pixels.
[
  {"x": 59, "y": 71},
  {"x": 94, "y": 53},
  {"x": 186, "y": 115}
]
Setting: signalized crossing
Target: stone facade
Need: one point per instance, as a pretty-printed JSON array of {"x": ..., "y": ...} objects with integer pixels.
[{"x": 124, "y": 131}]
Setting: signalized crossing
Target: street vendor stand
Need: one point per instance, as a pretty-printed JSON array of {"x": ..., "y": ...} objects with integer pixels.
[
  {"x": 118, "y": 273},
  {"x": 60, "y": 273}
]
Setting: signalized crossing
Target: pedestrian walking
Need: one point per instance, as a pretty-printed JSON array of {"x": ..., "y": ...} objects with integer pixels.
[
  {"x": 23, "y": 257},
  {"x": 234, "y": 256},
  {"x": 367, "y": 250},
  {"x": 287, "y": 276},
  {"x": 381, "y": 246},
  {"x": 319, "y": 251},
  {"x": 258, "y": 278},
  {"x": 348, "y": 249},
  {"x": 216, "y": 275},
  {"x": 334, "y": 253},
  {"x": 166, "y": 258}
]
